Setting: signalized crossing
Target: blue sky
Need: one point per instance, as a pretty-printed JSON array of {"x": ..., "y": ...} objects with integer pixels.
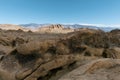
[{"x": 60, "y": 11}]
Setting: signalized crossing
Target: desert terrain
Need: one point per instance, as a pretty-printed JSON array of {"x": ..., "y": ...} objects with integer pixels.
[{"x": 57, "y": 53}]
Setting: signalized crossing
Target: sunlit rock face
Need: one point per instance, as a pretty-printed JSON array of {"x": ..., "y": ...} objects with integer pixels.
[{"x": 55, "y": 29}]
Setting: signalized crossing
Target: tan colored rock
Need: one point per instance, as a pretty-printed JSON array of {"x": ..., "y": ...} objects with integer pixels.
[
  {"x": 55, "y": 29},
  {"x": 43, "y": 70},
  {"x": 6, "y": 49},
  {"x": 102, "y": 69},
  {"x": 24, "y": 72},
  {"x": 12, "y": 27},
  {"x": 35, "y": 56},
  {"x": 117, "y": 49},
  {"x": 112, "y": 53},
  {"x": 94, "y": 52}
]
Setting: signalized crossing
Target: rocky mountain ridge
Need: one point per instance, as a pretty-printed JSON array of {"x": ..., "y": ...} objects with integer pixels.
[
  {"x": 52, "y": 28},
  {"x": 45, "y": 29},
  {"x": 73, "y": 26}
]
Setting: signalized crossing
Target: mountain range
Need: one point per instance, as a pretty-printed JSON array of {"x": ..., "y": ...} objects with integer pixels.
[
  {"x": 73, "y": 26},
  {"x": 54, "y": 28}
]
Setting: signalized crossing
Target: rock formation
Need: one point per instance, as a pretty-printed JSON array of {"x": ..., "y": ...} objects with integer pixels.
[
  {"x": 101, "y": 69},
  {"x": 44, "y": 29},
  {"x": 79, "y": 55},
  {"x": 55, "y": 29}
]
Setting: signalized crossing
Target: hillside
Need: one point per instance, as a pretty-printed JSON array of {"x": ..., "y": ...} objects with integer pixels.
[
  {"x": 77, "y": 55},
  {"x": 12, "y": 27}
]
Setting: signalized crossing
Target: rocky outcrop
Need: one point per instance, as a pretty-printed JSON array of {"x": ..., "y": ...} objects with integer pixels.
[
  {"x": 35, "y": 56},
  {"x": 101, "y": 69},
  {"x": 55, "y": 29}
]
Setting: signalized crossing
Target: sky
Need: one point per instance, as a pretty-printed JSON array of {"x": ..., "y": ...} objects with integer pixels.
[{"x": 60, "y": 11}]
